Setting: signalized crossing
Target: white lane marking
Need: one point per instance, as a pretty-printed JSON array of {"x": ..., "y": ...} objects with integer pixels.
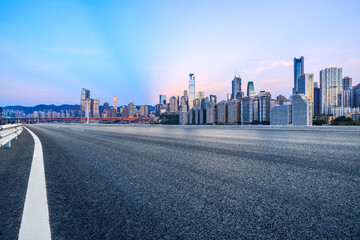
[{"x": 35, "y": 220}]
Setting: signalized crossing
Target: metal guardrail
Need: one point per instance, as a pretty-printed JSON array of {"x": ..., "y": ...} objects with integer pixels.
[{"x": 9, "y": 132}]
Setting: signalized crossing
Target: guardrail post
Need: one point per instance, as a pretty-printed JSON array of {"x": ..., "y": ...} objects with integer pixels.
[{"x": 8, "y": 144}]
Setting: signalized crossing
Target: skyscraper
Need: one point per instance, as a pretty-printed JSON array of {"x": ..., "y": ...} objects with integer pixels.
[
  {"x": 346, "y": 83},
  {"x": 222, "y": 112},
  {"x": 301, "y": 110},
  {"x": 317, "y": 99},
  {"x": 201, "y": 95},
  {"x": 173, "y": 105},
  {"x": 264, "y": 106},
  {"x": 96, "y": 108},
  {"x": 246, "y": 110},
  {"x": 331, "y": 87},
  {"x": 306, "y": 85},
  {"x": 298, "y": 71},
  {"x": 162, "y": 99},
  {"x": 250, "y": 89},
  {"x": 131, "y": 109},
  {"x": 213, "y": 99},
  {"x": 85, "y": 94},
  {"x": 228, "y": 96},
  {"x": 236, "y": 87},
  {"x": 115, "y": 102},
  {"x": 191, "y": 89}
]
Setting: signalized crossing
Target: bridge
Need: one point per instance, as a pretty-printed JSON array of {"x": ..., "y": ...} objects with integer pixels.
[{"x": 114, "y": 181}]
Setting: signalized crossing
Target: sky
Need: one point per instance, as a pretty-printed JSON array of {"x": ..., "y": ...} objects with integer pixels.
[{"x": 137, "y": 50}]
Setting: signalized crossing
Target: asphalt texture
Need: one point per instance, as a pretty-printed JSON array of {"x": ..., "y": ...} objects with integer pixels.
[
  {"x": 168, "y": 182},
  {"x": 15, "y": 164}
]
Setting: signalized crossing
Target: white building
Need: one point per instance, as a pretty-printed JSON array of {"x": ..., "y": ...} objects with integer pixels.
[{"x": 330, "y": 88}]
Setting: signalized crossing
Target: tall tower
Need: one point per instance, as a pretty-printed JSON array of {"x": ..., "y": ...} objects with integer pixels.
[
  {"x": 85, "y": 94},
  {"x": 250, "y": 89},
  {"x": 191, "y": 89},
  {"x": 298, "y": 71},
  {"x": 115, "y": 102},
  {"x": 236, "y": 88}
]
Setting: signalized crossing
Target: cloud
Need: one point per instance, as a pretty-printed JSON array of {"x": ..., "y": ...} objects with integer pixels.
[{"x": 267, "y": 65}]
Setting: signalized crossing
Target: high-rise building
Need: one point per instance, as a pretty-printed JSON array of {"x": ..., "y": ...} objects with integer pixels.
[
  {"x": 306, "y": 85},
  {"x": 115, "y": 102},
  {"x": 281, "y": 115},
  {"x": 183, "y": 118},
  {"x": 211, "y": 113},
  {"x": 255, "y": 109},
  {"x": 173, "y": 105},
  {"x": 250, "y": 89},
  {"x": 264, "y": 106},
  {"x": 144, "y": 111},
  {"x": 281, "y": 99},
  {"x": 96, "y": 108},
  {"x": 331, "y": 87},
  {"x": 355, "y": 96},
  {"x": 201, "y": 95},
  {"x": 221, "y": 112},
  {"x": 233, "y": 116},
  {"x": 191, "y": 89},
  {"x": 246, "y": 110},
  {"x": 301, "y": 110},
  {"x": 298, "y": 71},
  {"x": 213, "y": 99},
  {"x": 131, "y": 109},
  {"x": 228, "y": 97},
  {"x": 162, "y": 99},
  {"x": 85, "y": 94},
  {"x": 125, "y": 112},
  {"x": 346, "y": 83},
  {"x": 89, "y": 103},
  {"x": 186, "y": 96},
  {"x": 317, "y": 99},
  {"x": 236, "y": 87},
  {"x": 346, "y": 98}
]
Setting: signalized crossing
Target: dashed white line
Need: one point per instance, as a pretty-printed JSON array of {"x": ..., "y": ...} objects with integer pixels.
[{"x": 35, "y": 220}]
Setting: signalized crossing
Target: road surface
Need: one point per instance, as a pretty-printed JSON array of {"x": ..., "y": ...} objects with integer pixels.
[{"x": 204, "y": 182}]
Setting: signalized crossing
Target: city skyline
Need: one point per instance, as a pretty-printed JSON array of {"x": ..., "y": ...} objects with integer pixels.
[{"x": 93, "y": 48}]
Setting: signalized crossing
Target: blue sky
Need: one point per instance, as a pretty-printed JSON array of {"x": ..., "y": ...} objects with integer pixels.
[{"x": 137, "y": 50}]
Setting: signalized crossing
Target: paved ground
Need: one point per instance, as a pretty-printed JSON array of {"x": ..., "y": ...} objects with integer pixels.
[
  {"x": 15, "y": 163},
  {"x": 124, "y": 182}
]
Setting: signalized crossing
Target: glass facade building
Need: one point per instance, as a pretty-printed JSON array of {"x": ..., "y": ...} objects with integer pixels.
[
  {"x": 236, "y": 87},
  {"x": 250, "y": 89},
  {"x": 301, "y": 110},
  {"x": 298, "y": 71},
  {"x": 191, "y": 89}
]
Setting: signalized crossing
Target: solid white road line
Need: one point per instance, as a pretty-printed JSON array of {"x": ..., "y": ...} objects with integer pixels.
[{"x": 35, "y": 220}]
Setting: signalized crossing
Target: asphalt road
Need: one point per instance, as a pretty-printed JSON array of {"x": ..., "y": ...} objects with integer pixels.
[
  {"x": 15, "y": 163},
  {"x": 166, "y": 182}
]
